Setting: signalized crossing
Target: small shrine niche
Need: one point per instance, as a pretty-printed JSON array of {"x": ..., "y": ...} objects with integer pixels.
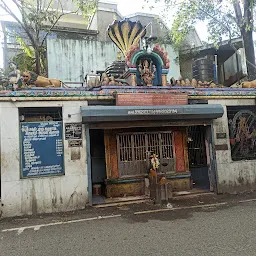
[
  {"x": 144, "y": 67},
  {"x": 148, "y": 71}
]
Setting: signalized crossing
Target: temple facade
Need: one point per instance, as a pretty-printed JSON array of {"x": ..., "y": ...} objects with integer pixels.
[{"x": 65, "y": 148}]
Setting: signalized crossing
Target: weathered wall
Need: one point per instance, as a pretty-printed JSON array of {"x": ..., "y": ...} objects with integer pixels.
[
  {"x": 158, "y": 29},
  {"x": 174, "y": 70},
  {"x": 186, "y": 69},
  {"x": 70, "y": 60},
  {"x": 72, "y": 20},
  {"x": 105, "y": 17},
  {"x": 46, "y": 194},
  {"x": 192, "y": 40},
  {"x": 232, "y": 176}
]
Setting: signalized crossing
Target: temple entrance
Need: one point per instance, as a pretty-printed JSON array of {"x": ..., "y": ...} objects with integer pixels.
[
  {"x": 135, "y": 149},
  {"x": 197, "y": 153}
]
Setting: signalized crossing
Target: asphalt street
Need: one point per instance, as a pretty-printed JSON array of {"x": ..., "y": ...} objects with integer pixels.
[{"x": 212, "y": 230}]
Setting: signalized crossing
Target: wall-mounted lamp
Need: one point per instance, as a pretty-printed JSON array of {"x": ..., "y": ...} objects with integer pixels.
[
  {"x": 146, "y": 41},
  {"x": 149, "y": 50}
]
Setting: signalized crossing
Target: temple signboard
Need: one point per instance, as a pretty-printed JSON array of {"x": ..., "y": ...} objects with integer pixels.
[
  {"x": 41, "y": 149},
  {"x": 151, "y": 99},
  {"x": 154, "y": 111},
  {"x": 73, "y": 131}
]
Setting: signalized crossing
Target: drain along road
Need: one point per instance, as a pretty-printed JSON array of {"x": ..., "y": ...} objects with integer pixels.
[{"x": 212, "y": 230}]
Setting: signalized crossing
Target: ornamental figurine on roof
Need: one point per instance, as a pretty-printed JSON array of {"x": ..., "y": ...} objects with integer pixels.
[{"x": 145, "y": 66}]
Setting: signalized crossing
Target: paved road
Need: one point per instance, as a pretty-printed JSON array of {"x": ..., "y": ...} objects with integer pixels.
[{"x": 224, "y": 230}]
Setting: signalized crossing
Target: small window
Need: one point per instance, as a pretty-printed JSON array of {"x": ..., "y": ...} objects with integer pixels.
[{"x": 40, "y": 114}]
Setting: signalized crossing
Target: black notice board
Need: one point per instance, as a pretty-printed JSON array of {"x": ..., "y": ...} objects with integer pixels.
[
  {"x": 73, "y": 131},
  {"x": 41, "y": 149}
]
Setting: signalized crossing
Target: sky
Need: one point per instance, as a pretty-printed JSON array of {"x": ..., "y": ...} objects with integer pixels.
[{"x": 125, "y": 7}]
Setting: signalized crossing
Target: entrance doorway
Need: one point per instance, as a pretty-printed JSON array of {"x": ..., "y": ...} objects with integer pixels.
[
  {"x": 98, "y": 165},
  {"x": 197, "y": 153},
  {"x": 135, "y": 149}
]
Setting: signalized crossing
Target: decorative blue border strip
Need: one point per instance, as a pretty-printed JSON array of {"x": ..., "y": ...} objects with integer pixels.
[{"x": 112, "y": 90}]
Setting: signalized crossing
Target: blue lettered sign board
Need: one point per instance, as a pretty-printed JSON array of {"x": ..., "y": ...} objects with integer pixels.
[{"x": 41, "y": 149}]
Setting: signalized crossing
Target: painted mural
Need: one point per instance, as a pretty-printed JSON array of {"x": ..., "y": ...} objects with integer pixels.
[{"x": 242, "y": 128}]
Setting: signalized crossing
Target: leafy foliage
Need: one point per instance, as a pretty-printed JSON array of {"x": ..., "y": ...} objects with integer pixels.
[
  {"x": 225, "y": 19},
  {"x": 219, "y": 16},
  {"x": 3, "y": 79},
  {"x": 37, "y": 18},
  {"x": 26, "y": 59}
]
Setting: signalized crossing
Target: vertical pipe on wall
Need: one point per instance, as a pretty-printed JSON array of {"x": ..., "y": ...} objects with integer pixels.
[
  {"x": 213, "y": 158},
  {"x": 89, "y": 164},
  {"x": 216, "y": 80}
]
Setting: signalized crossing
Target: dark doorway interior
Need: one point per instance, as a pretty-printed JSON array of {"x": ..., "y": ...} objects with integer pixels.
[
  {"x": 198, "y": 157},
  {"x": 98, "y": 165}
]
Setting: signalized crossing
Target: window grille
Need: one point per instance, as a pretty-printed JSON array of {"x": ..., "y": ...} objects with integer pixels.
[
  {"x": 38, "y": 114},
  {"x": 196, "y": 146},
  {"x": 135, "y": 149}
]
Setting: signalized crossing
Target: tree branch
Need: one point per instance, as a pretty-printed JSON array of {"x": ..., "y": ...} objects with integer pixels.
[
  {"x": 238, "y": 12},
  {"x": 248, "y": 15},
  {"x": 4, "y": 6},
  {"x": 47, "y": 8},
  {"x": 218, "y": 21},
  {"x": 60, "y": 3},
  {"x": 54, "y": 24}
]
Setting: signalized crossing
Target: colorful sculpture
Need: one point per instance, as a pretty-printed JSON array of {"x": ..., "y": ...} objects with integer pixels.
[
  {"x": 105, "y": 79},
  {"x": 249, "y": 84},
  {"x": 31, "y": 78},
  {"x": 126, "y": 33},
  {"x": 143, "y": 67},
  {"x": 14, "y": 76},
  {"x": 147, "y": 71}
]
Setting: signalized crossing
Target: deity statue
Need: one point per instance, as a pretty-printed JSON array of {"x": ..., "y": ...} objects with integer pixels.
[
  {"x": 105, "y": 79},
  {"x": 14, "y": 76},
  {"x": 112, "y": 81},
  {"x": 147, "y": 71}
]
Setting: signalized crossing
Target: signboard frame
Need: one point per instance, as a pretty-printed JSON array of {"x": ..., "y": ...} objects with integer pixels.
[
  {"x": 22, "y": 176},
  {"x": 78, "y": 124},
  {"x": 75, "y": 143}
]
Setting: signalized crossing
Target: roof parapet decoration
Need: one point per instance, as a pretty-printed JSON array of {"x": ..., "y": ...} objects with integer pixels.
[
  {"x": 163, "y": 54},
  {"x": 135, "y": 52},
  {"x": 126, "y": 34}
]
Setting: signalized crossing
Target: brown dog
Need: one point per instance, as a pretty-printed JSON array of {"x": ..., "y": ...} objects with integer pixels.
[{"x": 31, "y": 78}]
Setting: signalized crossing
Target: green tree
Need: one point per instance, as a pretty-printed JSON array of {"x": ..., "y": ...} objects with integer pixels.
[
  {"x": 224, "y": 18},
  {"x": 37, "y": 18}
]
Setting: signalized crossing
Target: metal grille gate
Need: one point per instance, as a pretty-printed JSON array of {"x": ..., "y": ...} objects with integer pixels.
[
  {"x": 135, "y": 149},
  {"x": 197, "y": 157},
  {"x": 196, "y": 147}
]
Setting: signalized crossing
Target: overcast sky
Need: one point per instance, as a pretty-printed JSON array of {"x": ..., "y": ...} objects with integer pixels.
[{"x": 126, "y": 7}]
